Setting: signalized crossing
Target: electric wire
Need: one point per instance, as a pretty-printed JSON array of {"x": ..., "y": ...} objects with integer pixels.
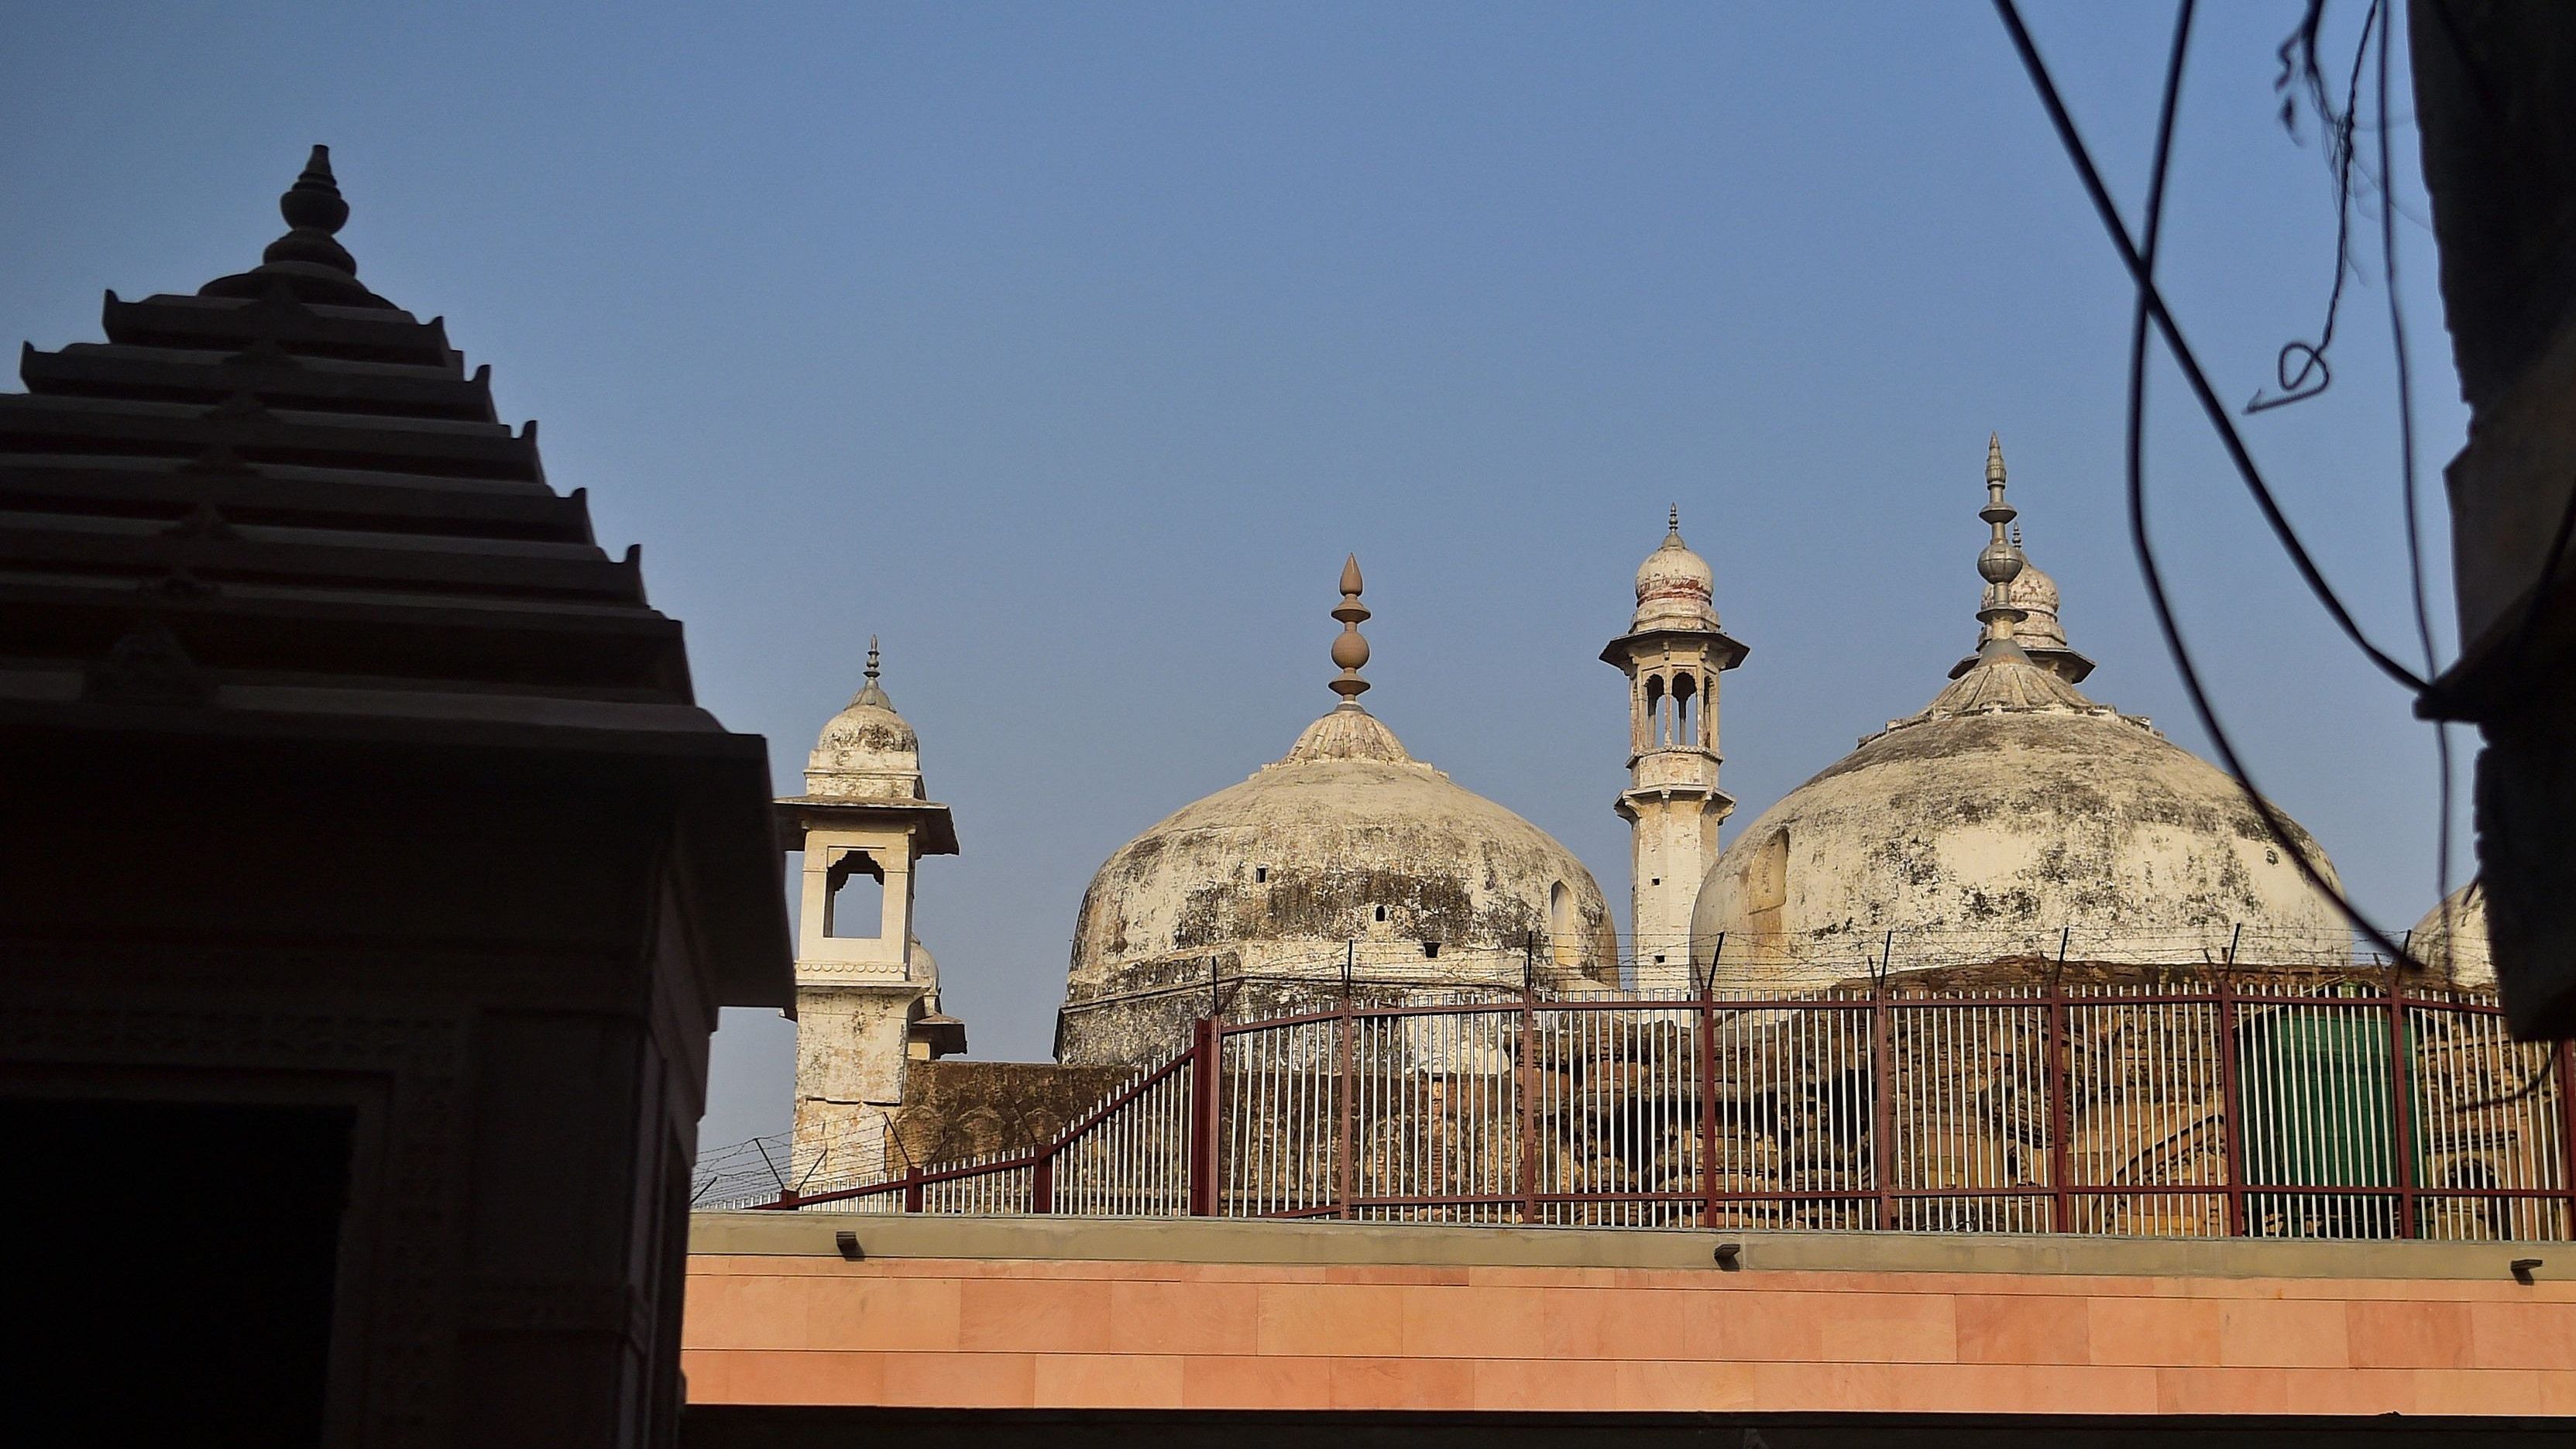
[
  {"x": 2189, "y": 361},
  {"x": 2338, "y": 129},
  {"x": 2150, "y": 306},
  {"x": 2385, "y": 17}
]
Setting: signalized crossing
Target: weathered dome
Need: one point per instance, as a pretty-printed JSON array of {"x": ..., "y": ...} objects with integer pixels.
[
  {"x": 1346, "y": 848},
  {"x": 1675, "y": 587},
  {"x": 2010, "y": 810},
  {"x": 1347, "y": 855},
  {"x": 866, "y": 752},
  {"x": 2452, "y": 938}
]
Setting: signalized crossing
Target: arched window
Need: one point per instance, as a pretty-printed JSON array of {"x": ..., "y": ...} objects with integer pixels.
[
  {"x": 1654, "y": 731},
  {"x": 1685, "y": 712},
  {"x": 854, "y": 898}
]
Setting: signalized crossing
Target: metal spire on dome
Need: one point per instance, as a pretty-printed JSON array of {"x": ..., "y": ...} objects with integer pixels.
[
  {"x": 871, "y": 692},
  {"x": 1350, "y": 650},
  {"x": 1673, "y": 523},
  {"x": 1999, "y": 562}
]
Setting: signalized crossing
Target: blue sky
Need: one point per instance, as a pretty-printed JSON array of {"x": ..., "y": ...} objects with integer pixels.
[{"x": 1069, "y": 348}]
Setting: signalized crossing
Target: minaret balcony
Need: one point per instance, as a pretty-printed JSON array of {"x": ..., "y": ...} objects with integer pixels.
[{"x": 1694, "y": 770}]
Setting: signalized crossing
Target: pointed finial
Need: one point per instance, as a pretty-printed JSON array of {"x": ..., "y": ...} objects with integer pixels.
[
  {"x": 2000, "y": 561},
  {"x": 1350, "y": 651},
  {"x": 872, "y": 692},
  {"x": 1673, "y": 521},
  {"x": 314, "y": 210}
]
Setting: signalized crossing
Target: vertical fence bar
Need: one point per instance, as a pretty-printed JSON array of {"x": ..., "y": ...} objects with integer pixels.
[
  {"x": 1882, "y": 1087},
  {"x": 1705, "y": 1071},
  {"x": 1346, "y": 1117},
  {"x": 2567, "y": 1131},
  {"x": 2061, "y": 1117},
  {"x": 1042, "y": 1182},
  {"x": 2231, "y": 1108},
  {"x": 1204, "y": 1120},
  {"x": 2401, "y": 1092},
  {"x": 1525, "y": 1109}
]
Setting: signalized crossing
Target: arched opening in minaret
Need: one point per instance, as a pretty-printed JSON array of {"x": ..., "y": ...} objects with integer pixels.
[
  {"x": 854, "y": 898},
  {"x": 1685, "y": 711},
  {"x": 1655, "y": 728}
]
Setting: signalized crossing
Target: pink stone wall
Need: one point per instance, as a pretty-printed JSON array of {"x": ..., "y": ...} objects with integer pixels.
[{"x": 959, "y": 1333}]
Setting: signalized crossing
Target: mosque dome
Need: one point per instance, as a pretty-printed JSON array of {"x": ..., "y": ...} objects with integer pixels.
[
  {"x": 1675, "y": 586},
  {"x": 1346, "y": 851},
  {"x": 866, "y": 752},
  {"x": 2011, "y": 809},
  {"x": 2452, "y": 938}
]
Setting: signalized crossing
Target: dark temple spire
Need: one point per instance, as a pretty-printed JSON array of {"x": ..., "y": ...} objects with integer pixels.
[{"x": 309, "y": 260}]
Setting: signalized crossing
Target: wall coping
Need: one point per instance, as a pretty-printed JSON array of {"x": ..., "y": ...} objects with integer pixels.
[{"x": 1235, "y": 1240}]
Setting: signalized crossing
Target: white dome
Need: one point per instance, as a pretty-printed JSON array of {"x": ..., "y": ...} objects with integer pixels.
[
  {"x": 1347, "y": 848},
  {"x": 2011, "y": 817},
  {"x": 2452, "y": 938},
  {"x": 2013, "y": 808},
  {"x": 1675, "y": 587},
  {"x": 866, "y": 752}
]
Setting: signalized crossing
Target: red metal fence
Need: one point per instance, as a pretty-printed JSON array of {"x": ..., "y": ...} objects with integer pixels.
[{"x": 2221, "y": 1108}]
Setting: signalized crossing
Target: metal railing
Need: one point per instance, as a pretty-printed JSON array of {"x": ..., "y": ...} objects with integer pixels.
[{"x": 2272, "y": 1108}]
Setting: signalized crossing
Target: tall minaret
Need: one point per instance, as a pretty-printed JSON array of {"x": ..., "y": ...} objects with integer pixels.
[
  {"x": 1672, "y": 654},
  {"x": 867, "y": 994}
]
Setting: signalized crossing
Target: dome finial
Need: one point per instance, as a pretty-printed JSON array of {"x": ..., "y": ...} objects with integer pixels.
[
  {"x": 314, "y": 211},
  {"x": 871, "y": 692},
  {"x": 1350, "y": 651},
  {"x": 1673, "y": 522},
  {"x": 2000, "y": 562}
]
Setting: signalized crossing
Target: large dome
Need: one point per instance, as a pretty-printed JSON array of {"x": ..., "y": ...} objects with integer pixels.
[
  {"x": 1347, "y": 852},
  {"x": 2010, "y": 815}
]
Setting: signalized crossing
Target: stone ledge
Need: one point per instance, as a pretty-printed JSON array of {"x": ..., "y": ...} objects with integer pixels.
[{"x": 1225, "y": 1240}]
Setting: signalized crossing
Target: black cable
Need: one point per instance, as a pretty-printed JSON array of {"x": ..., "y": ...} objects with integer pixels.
[
  {"x": 2220, "y": 419},
  {"x": 2150, "y": 304},
  {"x": 2338, "y": 130},
  {"x": 2385, "y": 15}
]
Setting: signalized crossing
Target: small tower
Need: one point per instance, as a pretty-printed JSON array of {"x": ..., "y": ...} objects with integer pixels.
[
  {"x": 867, "y": 994},
  {"x": 1672, "y": 654}
]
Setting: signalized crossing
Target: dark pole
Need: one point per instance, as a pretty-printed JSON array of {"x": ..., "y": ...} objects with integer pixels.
[
  {"x": 1708, "y": 1090},
  {"x": 2400, "y": 1105},
  {"x": 2231, "y": 1093},
  {"x": 2061, "y": 1115}
]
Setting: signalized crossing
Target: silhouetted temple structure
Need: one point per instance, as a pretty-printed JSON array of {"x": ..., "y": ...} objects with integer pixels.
[{"x": 372, "y": 879}]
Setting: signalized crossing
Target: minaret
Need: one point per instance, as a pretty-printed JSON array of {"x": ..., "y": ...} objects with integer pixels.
[
  {"x": 867, "y": 994},
  {"x": 1672, "y": 654}
]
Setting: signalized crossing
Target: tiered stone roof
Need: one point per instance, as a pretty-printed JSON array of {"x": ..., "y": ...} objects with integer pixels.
[{"x": 283, "y": 507}]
